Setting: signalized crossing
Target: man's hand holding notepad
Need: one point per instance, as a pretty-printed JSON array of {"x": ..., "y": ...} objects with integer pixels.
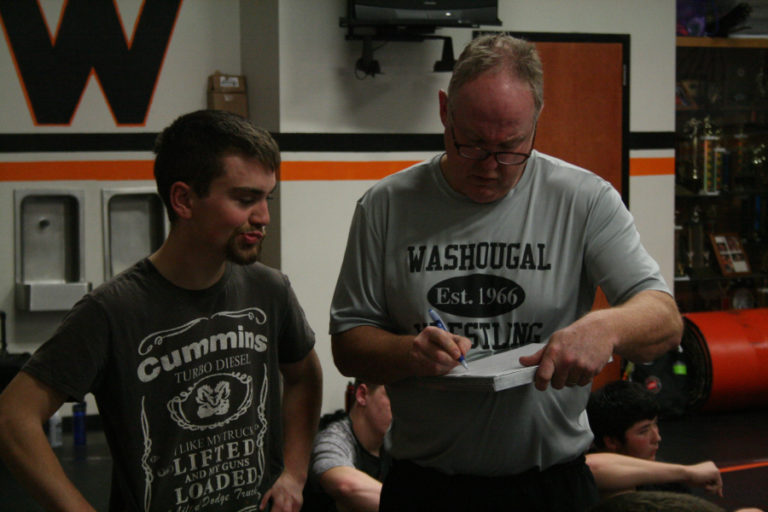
[{"x": 495, "y": 372}]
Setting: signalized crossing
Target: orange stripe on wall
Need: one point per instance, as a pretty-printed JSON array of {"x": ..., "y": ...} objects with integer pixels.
[
  {"x": 80, "y": 170},
  {"x": 651, "y": 166},
  {"x": 290, "y": 171},
  {"x": 310, "y": 171},
  {"x": 142, "y": 170}
]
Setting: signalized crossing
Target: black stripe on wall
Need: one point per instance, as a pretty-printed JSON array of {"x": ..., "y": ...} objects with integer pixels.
[
  {"x": 651, "y": 140},
  {"x": 295, "y": 142},
  {"x": 363, "y": 142},
  {"x": 76, "y": 142}
]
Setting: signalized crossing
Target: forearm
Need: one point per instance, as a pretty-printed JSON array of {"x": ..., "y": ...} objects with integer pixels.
[
  {"x": 372, "y": 354},
  {"x": 26, "y": 452},
  {"x": 361, "y": 500},
  {"x": 352, "y": 489},
  {"x": 641, "y": 329},
  {"x": 379, "y": 356},
  {"x": 614, "y": 472},
  {"x": 302, "y": 398},
  {"x": 24, "y": 406}
]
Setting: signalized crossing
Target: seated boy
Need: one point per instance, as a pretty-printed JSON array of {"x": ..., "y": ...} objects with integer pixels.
[
  {"x": 623, "y": 416},
  {"x": 350, "y": 456}
]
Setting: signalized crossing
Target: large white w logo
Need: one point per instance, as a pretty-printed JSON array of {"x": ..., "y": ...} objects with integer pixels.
[{"x": 54, "y": 69}]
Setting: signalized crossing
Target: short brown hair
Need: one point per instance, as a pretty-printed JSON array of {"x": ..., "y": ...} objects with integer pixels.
[
  {"x": 190, "y": 150},
  {"x": 504, "y": 53}
]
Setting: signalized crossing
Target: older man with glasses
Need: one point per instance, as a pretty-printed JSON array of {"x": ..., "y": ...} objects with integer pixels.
[{"x": 508, "y": 246}]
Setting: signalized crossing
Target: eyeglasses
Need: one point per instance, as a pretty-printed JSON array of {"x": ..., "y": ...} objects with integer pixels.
[{"x": 471, "y": 152}]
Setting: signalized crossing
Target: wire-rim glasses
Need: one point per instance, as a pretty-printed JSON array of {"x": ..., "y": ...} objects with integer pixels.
[{"x": 471, "y": 152}]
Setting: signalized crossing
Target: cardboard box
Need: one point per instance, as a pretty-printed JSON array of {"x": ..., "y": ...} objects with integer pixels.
[
  {"x": 228, "y": 92},
  {"x": 222, "y": 82},
  {"x": 235, "y": 102}
]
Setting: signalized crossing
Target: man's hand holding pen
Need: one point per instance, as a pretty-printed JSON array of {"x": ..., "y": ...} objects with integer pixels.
[{"x": 436, "y": 351}]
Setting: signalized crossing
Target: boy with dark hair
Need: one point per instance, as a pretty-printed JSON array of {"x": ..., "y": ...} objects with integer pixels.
[
  {"x": 200, "y": 358},
  {"x": 623, "y": 416},
  {"x": 660, "y": 501},
  {"x": 656, "y": 501}
]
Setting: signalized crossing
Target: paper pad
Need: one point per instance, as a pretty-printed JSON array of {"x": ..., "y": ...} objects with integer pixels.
[{"x": 492, "y": 373}]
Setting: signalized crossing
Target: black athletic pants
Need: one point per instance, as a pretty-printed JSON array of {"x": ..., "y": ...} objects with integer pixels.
[{"x": 567, "y": 487}]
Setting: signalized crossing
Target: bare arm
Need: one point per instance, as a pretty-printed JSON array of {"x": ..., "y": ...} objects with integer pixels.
[
  {"x": 614, "y": 472},
  {"x": 351, "y": 489},
  {"x": 302, "y": 397},
  {"x": 376, "y": 355},
  {"x": 25, "y": 405},
  {"x": 641, "y": 329}
]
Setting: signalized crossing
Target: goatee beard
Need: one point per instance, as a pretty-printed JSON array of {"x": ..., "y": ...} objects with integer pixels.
[{"x": 243, "y": 257}]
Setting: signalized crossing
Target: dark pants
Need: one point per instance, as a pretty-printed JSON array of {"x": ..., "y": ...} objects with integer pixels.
[{"x": 567, "y": 487}]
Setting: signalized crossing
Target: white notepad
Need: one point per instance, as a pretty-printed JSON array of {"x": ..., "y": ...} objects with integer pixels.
[{"x": 492, "y": 373}]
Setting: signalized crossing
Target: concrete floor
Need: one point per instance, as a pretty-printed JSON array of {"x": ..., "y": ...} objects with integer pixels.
[{"x": 736, "y": 441}]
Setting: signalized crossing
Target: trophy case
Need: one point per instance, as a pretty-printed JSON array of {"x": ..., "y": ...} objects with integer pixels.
[{"x": 721, "y": 175}]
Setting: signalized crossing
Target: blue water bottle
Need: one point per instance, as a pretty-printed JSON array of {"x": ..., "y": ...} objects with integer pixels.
[{"x": 78, "y": 423}]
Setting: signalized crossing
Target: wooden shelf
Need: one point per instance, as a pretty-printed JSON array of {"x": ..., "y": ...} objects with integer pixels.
[
  {"x": 719, "y": 277},
  {"x": 723, "y": 42}
]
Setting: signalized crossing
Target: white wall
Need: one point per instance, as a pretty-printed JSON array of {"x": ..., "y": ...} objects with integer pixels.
[
  {"x": 206, "y": 38},
  {"x": 301, "y": 79},
  {"x": 320, "y": 93}
]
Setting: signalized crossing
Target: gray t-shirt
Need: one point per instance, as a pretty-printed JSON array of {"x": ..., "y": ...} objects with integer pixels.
[
  {"x": 187, "y": 383},
  {"x": 503, "y": 274},
  {"x": 336, "y": 445}
]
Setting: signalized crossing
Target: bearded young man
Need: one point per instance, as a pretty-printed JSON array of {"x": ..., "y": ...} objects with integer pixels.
[{"x": 184, "y": 352}]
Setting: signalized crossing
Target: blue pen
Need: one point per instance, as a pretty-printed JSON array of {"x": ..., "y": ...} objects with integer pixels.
[{"x": 441, "y": 325}]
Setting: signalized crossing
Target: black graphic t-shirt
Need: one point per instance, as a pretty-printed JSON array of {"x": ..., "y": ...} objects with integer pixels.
[{"x": 187, "y": 383}]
